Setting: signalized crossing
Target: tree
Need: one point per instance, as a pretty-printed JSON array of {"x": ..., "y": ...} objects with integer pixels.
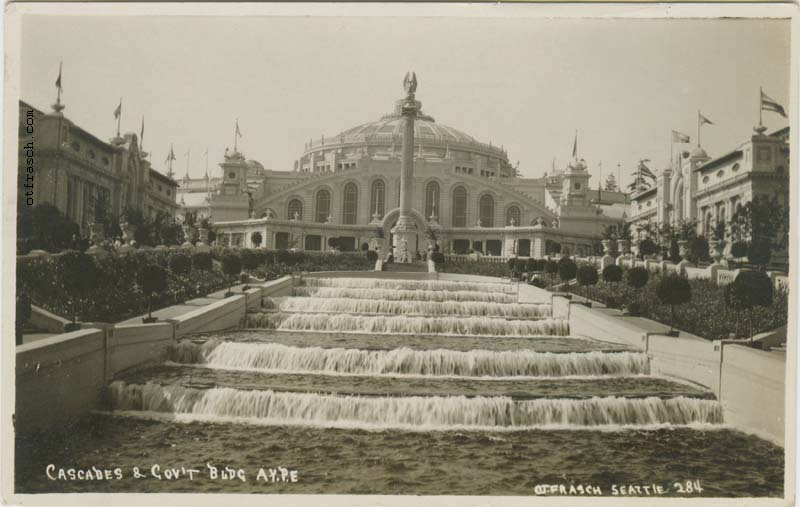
[
  {"x": 45, "y": 227},
  {"x": 586, "y": 276},
  {"x": 759, "y": 253},
  {"x": 698, "y": 250},
  {"x": 256, "y": 239},
  {"x": 673, "y": 290},
  {"x": 567, "y": 269},
  {"x": 612, "y": 273},
  {"x": 647, "y": 247},
  {"x": 636, "y": 278},
  {"x": 551, "y": 267},
  {"x": 152, "y": 279},
  {"x": 437, "y": 258},
  {"x": 79, "y": 276},
  {"x": 364, "y": 246},
  {"x": 611, "y": 183},
  {"x": 232, "y": 267},
  {"x": 748, "y": 290},
  {"x": 739, "y": 249}
]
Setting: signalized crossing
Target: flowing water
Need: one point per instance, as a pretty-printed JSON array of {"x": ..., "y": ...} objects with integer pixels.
[{"x": 408, "y": 387}]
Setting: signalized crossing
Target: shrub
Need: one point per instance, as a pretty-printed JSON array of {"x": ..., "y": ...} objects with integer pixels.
[
  {"x": 739, "y": 249},
  {"x": 437, "y": 258},
  {"x": 530, "y": 265},
  {"x": 698, "y": 250},
  {"x": 673, "y": 290},
  {"x": 612, "y": 273},
  {"x": 538, "y": 281},
  {"x": 674, "y": 251},
  {"x": 550, "y": 266},
  {"x": 637, "y": 277},
  {"x": 364, "y": 246},
  {"x": 250, "y": 259},
  {"x": 231, "y": 266},
  {"x": 256, "y": 239},
  {"x": 45, "y": 227},
  {"x": 567, "y": 269},
  {"x": 152, "y": 279},
  {"x": 749, "y": 289},
  {"x": 202, "y": 261},
  {"x": 372, "y": 256},
  {"x": 759, "y": 253},
  {"x": 333, "y": 243},
  {"x": 586, "y": 275},
  {"x": 512, "y": 263},
  {"x": 647, "y": 247},
  {"x": 180, "y": 264},
  {"x": 79, "y": 275}
]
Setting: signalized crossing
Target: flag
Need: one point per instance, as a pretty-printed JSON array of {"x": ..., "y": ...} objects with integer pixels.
[
  {"x": 767, "y": 104},
  {"x": 141, "y": 135},
  {"x": 702, "y": 120},
  {"x": 678, "y": 137},
  {"x": 238, "y": 132},
  {"x": 646, "y": 171},
  {"x": 118, "y": 110},
  {"x": 575, "y": 146},
  {"x": 170, "y": 155},
  {"x": 58, "y": 81}
]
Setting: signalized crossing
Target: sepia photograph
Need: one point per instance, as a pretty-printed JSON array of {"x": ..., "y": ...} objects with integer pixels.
[{"x": 479, "y": 255}]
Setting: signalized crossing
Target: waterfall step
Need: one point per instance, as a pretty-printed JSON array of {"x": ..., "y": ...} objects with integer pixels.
[
  {"x": 374, "y": 306},
  {"x": 405, "y": 284},
  {"x": 407, "y": 361},
  {"x": 365, "y": 341},
  {"x": 401, "y": 324},
  {"x": 420, "y": 413},
  {"x": 404, "y": 386},
  {"x": 405, "y": 294},
  {"x": 406, "y": 267}
]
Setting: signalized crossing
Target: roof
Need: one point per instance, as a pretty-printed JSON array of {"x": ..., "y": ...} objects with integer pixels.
[
  {"x": 161, "y": 177},
  {"x": 733, "y": 155},
  {"x": 86, "y": 133},
  {"x": 643, "y": 193}
]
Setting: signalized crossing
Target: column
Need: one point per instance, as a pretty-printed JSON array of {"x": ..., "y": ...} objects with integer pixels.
[{"x": 405, "y": 231}]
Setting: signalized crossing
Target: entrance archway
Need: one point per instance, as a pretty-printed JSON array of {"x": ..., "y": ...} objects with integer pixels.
[{"x": 390, "y": 220}]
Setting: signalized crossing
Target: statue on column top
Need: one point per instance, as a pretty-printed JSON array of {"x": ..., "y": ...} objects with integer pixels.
[{"x": 410, "y": 83}]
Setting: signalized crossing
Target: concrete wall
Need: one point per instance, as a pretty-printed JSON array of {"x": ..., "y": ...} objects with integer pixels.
[
  {"x": 58, "y": 379},
  {"x": 606, "y": 325},
  {"x": 753, "y": 390},
  {"x": 688, "y": 358},
  {"x": 61, "y": 378},
  {"x": 42, "y": 319}
]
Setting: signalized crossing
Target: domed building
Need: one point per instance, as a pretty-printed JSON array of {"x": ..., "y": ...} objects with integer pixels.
[{"x": 465, "y": 195}]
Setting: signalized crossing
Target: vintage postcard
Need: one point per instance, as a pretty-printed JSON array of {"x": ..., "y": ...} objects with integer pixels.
[{"x": 319, "y": 254}]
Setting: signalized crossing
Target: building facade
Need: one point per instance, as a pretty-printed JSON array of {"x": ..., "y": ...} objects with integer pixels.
[
  {"x": 466, "y": 196},
  {"x": 708, "y": 191},
  {"x": 75, "y": 169}
]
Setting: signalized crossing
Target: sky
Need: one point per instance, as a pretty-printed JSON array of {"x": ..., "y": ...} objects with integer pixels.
[{"x": 525, "y": 84}]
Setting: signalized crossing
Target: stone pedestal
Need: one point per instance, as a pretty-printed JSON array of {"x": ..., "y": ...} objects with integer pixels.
[{"x": 607, "y": 260}]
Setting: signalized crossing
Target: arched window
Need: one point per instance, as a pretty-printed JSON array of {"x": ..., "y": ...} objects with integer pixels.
[
  {"x": 350, "y": 204},
  {"x": 512, "y": 213},
  {"x": 377, "y": 201},
  {"x": 295, "y": 207},
  {"x": 487, "y": 210},
  {"x": 323, "y": 205},
  {"x": 432, "y": 199},
  {"x": 460, "y": 207}
]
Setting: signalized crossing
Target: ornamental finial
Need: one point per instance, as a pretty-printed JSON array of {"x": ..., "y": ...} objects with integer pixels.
[{"x": 410, "y": 83}]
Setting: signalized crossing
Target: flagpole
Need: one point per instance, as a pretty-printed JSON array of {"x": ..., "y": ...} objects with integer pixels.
[
  {"x": 58, "y": 98},
  {"x": 671, "y": 148},
  {"x": 119, "y": 116},
  {"x": 236, "y": 137},
  {"x": 698, "y": 128}
]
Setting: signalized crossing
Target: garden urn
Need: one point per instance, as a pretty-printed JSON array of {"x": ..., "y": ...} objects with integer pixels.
[
  {"x": 683, "y": 248},
  {"x": 624, "y": 246},
  {"x": 608, "y": 245},
  {"x": 188, "y": 235}
]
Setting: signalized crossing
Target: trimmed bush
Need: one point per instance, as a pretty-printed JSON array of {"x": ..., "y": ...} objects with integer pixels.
[
  {"x": 232, "y": 267},
  {"x": 23, "y": 315},
  {"x": 250, "y": 259},
  {"x": 202, "y": 261},
  {"x": 538, "y": 281},
  {"x": 637, "y": 277},
  {"x": 673, "y": 290},
  {"x": 749, "y": 289},
  {"x": 567, "y": 269},
  {"x": 586, "y": 276},
  {"x": 612, "y": 273},
  {"x": 550, "y": 267},
  {"x": 647, "y": 247},
  {"x": 180, "y": 264},
  {"x": 698, "y": 250},
  {"x": 437, "y": 258},
  {"x": 674, "y": 252},
  {"x": 372, "y": 256},
  {"x": 364, "y": 247},
  {"x": 152, "y": 279},
  {"x": 759, "y": 253},
  {"x": 739, "y": 249},
  {"x": 512, "y": 263}
]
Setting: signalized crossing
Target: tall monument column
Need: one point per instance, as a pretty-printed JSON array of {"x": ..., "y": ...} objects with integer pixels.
[{"x": 404, "y": 233}]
